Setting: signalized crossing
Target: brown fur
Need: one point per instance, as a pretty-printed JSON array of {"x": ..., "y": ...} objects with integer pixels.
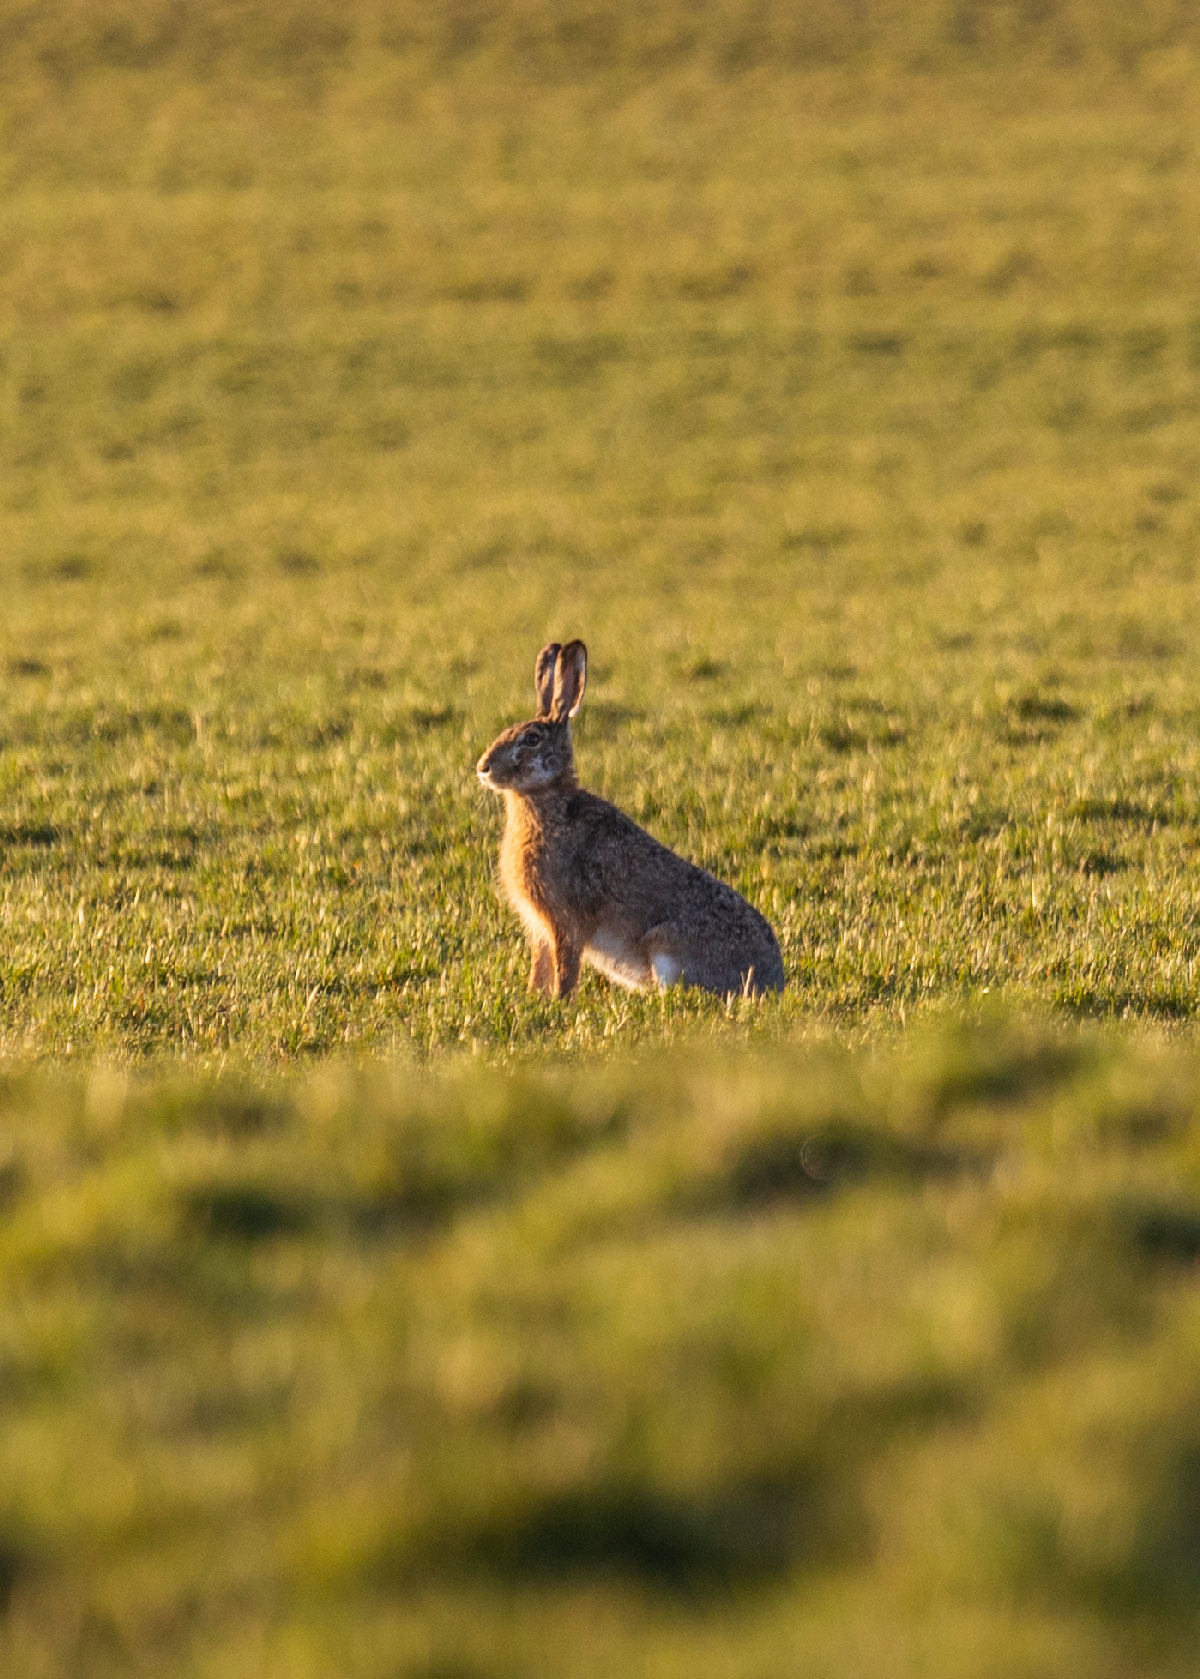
[{"x": 590, "y": 885}]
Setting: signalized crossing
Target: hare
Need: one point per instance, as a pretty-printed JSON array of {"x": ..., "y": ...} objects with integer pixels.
[{"x": 592, "y": 886}]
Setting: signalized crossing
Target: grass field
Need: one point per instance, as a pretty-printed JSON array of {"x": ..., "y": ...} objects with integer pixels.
[
  {"x": 823, "y": 1362},
  {"x": 834, "y": 370},
  {"x": 847, "y": 410}
]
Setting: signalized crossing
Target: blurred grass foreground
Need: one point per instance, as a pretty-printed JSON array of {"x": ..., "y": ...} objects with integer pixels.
[{"x": 819, "y": 1362}]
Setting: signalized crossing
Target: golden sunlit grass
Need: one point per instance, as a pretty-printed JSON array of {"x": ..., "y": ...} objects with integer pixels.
[
  {"x": 851, "y": 421},
  {"x": 834, "y": 371}
]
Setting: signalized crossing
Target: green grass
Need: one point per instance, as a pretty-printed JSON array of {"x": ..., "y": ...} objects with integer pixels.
[
  {"x": 805, "y": 1362},
  {"x": 842, "y": 397},
  {"x": 834, "y": 370}
]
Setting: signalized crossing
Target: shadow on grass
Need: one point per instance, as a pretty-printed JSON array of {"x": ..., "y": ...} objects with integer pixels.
[
  {"x": 741, "y": 1532},
  {"x": 1156, "y": 1573},
  {"x": 795, "y": 1166},
  {"x": 250, "y": 1211},
  {"x": 434, "y": 1170},
  {"x": 991, "y": 1062},
  {"x": 29, "y": 833},
  {"x": 1163, "y": 1233},
  {"x": 245, "y": 1212},
  {"x": 744, "y": 1531},
  {"x": 15, "y": 1564},
  {"x": 1092, "y": 1003},
  {"x": 1133, "y": 812},
  {"x": 1166, "y": 1571}
]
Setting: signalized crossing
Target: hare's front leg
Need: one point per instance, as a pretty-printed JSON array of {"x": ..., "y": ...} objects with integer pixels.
[
  {"x": 541, "y": 968},
  {"x": 567, "y": 958}
]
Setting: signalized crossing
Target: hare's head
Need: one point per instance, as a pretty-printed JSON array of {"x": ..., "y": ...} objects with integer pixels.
[{"x": 534, "y": 755}]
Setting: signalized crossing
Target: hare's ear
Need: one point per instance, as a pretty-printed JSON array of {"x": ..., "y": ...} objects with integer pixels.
[
  {"x": 570, "y": 679},
  {"x": 543, "y": 677}
]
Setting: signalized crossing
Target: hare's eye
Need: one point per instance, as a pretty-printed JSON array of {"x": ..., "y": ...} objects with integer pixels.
[{"x": 527, "y": 739}]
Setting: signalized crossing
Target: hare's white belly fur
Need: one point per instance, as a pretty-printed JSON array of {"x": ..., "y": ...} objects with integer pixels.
[{"x": 615, "y": 956}]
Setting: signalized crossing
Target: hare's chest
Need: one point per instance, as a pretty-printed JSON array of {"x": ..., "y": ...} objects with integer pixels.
[{"x": 527, "y": 875}]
